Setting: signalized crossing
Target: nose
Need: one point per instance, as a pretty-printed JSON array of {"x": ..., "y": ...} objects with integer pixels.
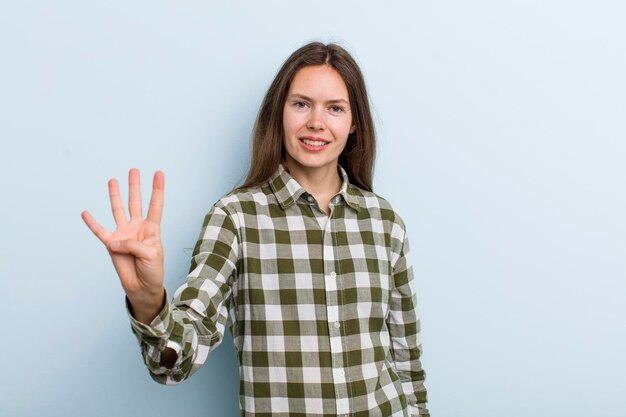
[{"x": 316, "y": 119}]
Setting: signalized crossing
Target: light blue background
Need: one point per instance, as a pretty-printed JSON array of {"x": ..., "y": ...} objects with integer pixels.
[{"x": 502, "y": 143}]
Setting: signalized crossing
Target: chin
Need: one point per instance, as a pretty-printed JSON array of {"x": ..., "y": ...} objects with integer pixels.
[
  {"x": 310, "y": 163},
  {"x": 314, "y": 163}
]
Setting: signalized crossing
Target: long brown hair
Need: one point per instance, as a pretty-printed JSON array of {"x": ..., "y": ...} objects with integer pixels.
[{"x": 268, "y": 150}]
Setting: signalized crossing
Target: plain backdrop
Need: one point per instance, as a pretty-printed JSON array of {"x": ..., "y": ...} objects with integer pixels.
[{"x": 502, "y": 143}]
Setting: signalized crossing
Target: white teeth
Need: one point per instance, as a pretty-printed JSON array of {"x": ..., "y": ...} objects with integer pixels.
[{"x": 313, "y": 142}]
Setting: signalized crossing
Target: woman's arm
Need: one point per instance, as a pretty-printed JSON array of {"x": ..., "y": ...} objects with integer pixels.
[
  {"x": 404, "y": 329},
  {"x": 175, "y": 337},
  {"x": 177, "y": 342}
]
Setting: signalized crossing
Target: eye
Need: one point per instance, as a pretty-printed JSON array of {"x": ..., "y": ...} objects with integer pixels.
[
  {"x": 299, "y": 104},
  {"x": 336, "y": 109}
]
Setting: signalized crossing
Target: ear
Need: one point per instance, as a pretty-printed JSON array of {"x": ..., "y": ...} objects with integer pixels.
[{"x": 352, "y": 129}]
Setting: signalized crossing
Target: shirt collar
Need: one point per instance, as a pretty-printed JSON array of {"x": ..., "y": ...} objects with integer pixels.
[{"x": 287, "y": 190}]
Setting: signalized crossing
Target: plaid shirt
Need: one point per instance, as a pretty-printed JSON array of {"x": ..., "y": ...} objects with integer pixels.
[{"x": 322, "y": 309}]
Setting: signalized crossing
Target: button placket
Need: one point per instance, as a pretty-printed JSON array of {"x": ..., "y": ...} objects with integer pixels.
[{"x": 332, "y": 315}]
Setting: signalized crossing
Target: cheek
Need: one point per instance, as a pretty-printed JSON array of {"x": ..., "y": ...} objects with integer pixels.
[
  {"x": 294, "y": 115},
  {"x": 342, "y": 128},
  {"x": 285, "y": 121},
  {"x": 291, "y": 123}
]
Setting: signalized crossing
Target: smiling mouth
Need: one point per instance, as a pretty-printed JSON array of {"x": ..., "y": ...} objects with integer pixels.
[{"x": 313, "y": 142}]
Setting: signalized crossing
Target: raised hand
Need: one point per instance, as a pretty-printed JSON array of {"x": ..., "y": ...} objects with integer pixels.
[{"x": 135, "y": 245}]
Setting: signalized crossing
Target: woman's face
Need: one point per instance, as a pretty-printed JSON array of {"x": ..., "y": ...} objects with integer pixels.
[{"x": 316, "y": 118}]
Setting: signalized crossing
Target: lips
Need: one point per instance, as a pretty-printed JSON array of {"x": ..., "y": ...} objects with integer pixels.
[{"x": 313, "y": 144}]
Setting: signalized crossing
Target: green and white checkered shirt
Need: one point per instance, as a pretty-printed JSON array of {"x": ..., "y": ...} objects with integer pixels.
[{"x": 322, "y": 309}]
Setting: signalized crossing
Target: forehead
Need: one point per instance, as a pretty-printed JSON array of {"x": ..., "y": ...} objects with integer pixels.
[{"x": 319, "y": 81}]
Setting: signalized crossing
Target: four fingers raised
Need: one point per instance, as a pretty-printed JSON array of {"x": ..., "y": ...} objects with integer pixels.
[{"x": 155, "y": 209}]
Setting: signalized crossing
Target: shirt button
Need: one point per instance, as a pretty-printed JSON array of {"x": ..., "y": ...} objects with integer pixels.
[
  {"x": 311, "y": 199},
  {"x": 337, "y": 325},
  {"x": 341, "y": 372},
  {"x": 333, "y": 274}
]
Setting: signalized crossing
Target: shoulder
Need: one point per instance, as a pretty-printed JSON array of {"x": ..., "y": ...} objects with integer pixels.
[
  {"x": 378, "y": 207},
  {"x": 231, "y": 210},
  {"x": 245, "y": 200}
]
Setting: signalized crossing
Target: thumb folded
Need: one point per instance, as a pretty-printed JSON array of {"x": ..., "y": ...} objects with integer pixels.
[{"x": 132, "y": 247}]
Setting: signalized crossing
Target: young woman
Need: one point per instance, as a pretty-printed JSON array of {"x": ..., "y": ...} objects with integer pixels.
[{"x": 308, "y": 267}]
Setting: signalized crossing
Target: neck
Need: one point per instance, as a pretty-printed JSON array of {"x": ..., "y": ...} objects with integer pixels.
[{"x": 320, "y": 182}]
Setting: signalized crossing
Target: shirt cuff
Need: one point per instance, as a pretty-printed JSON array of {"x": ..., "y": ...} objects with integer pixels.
[{"x": 157, "y": 329}]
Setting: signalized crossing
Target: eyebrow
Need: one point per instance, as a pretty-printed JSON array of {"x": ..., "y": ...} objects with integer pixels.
[{"x": 303, "y": 97}]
